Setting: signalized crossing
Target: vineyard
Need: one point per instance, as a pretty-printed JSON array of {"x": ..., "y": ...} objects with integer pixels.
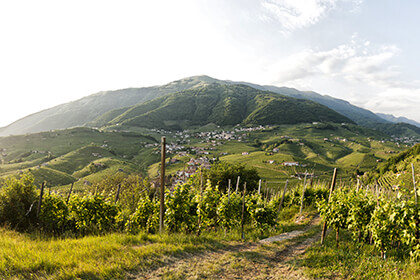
[
  {"x": 390, "y": 223},
  {"x": 126, "y": 208},
  {"x": 189, "y": 208}
]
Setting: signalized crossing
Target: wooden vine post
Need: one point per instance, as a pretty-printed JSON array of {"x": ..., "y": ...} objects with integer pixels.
[
  {"x": 68, "y": 197},
  {"x": 243, "y": 214},
  {"x": 117, "y": 196},
  {"x": 229, "y": 182},
  {"x": 303, "y": 194},
  {"x": 162, "y": 185},
  {"x": 415, "y": 200},
  {"x": 414, "y": 184},
  {"x": 237, "y": 184},
  {"x": 358, "y": 184},
  {"x": 200, "y": 200},
  {"x": 38, "y": 210},
  {"x": 324, "y": 227},
  {"x": 282, "y": 199}
]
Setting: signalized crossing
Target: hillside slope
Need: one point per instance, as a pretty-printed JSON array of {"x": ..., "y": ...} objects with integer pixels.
[
  {"x": 224, "y": 105},
  {"x": 97, "y": 109},
  {"x": 393, "y": 119},
  {"x": 85, "y": 110}
]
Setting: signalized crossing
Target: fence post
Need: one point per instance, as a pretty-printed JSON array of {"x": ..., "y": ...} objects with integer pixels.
[
  {"x": 68, "y": 197},
  {"x": 358, "y": 185},
  {"x": 414, "y": 184},
  {"x": 415, "y": 199},
  {"x": 162, "y": 185},
  {"x": 237, "y": 184},
  {"x": 303, "y": 194},
  {"x": 243, "y": 212},
  {"x": 282, "y": 199},
  {"x": 200, "y": 200},
  {"x": 324, "y": 227},
  {"x": 229, "y": 182},
  {"x": 38, "y": 210},
  {"x": 259, "y": 187},
  {"x": 117, "y": 196}
]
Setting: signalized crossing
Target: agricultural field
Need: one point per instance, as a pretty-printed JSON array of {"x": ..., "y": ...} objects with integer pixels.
[
  {"x": 83, "y": 156},
  {"x": 101, "y": 200}
]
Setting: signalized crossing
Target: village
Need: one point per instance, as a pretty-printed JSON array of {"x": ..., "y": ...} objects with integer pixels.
[
  {"x": 202, "y": 155},
  {"x": 195, "y": 150}
]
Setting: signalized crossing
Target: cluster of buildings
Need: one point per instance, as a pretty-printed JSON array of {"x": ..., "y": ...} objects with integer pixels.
[
  {"x": 190, "y": 168},
  {"x": 408, "y": 141}
]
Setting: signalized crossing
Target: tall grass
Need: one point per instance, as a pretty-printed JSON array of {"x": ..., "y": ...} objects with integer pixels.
[
  {"x": 115, "y": 255},
  {"x": 355, "y": 261},
  {"x": 93, "y": 257}
]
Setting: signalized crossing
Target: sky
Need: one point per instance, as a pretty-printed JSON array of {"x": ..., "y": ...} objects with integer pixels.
[{"x": 362, "y": 51}]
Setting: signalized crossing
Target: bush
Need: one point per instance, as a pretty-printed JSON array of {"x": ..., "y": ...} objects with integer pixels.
[
  {"x": 18, "y": 202},
  {"x": 181, "y": 209},
  {"x": 207, "y": 205},
  {"x": 263, "y": 214},
  {"x": 145, "y": 217},
  {"x": 220, "y": 174},
  {"x": 230, "y": 210},
  {"x": 54, "y": 214},
  {"x": 92, "y": 214}
]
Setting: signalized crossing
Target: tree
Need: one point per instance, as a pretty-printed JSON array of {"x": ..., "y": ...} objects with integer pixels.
[{"x": 221, "y": 172}]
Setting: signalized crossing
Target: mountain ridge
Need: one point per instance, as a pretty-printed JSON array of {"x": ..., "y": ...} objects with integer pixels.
[
  {"x": 394, "y": 119},
  {"x": 86, "y": 111},
  {"x": 224, "y": 105}
]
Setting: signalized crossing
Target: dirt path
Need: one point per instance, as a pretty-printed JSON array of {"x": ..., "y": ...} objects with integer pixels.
[{"x": 271, "y": 258}]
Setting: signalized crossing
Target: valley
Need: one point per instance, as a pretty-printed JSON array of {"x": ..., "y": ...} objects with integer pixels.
[
  {"x": 282, "y": 152},
  {"x": 95, "y": 180}
]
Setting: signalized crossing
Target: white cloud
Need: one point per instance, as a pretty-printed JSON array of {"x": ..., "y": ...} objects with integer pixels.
[
  {"x": 397, "y": 101},
  {"x": 297, "y": 14},
  {"x": 357, "y": 71},
  {"x": 353, "y": 62}
]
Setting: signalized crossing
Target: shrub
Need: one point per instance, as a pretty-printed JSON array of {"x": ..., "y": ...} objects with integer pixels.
[
  {"x": 181, "y": 209},
  {"x": 230, "y": 210},
  {"x": 54, "y": 214},
  {"x": 263, "y": 215},
  {"x": 18, "y": 202},
  {"x": 145, "y": 217},
  {"x": 221, "y": 172},
  {"x": 207, "y": 205},
  {"x": 92, "y": 214}
]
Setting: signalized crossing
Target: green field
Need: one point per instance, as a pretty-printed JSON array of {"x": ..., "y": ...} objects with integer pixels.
[{"x": 83, "y": 155}]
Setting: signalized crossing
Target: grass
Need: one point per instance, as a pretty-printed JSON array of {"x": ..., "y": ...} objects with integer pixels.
[
  {"x": 53, "y": 177},
  {"x": 71, "y": 152},
  {"x": 355, "y": 261},
  {"x": 112, "y": 256},
  {"x": 115, "y": 255},
  {"x": 78, "y": 159},
  {"x": 351, "y": 160}
]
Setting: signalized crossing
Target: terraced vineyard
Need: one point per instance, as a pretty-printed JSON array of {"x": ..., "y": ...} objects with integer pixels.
[{"x": 85, "y": 156}]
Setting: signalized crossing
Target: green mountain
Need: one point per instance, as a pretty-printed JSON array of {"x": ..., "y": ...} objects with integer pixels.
[
  {"x": 223, "y": 105},
  {"x": 358, "y": 115},
  {"x": 393, "y": 119},
  {"x": 85, "y": 110},
  {"x": 100, "y": 108},
  {"x": 398, "y": 129}
]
